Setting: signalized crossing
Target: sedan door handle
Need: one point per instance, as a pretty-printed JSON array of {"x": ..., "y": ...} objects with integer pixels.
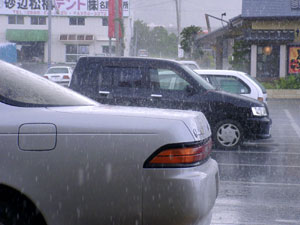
[
  {"x": 104, "y": 92},
  {"x": 156, "y": 96}
]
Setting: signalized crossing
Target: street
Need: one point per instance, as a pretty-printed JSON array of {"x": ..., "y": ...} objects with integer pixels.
[{"x": 260, "y": 182}]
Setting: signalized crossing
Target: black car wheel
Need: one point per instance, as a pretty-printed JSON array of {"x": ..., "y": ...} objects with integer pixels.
[
  {"x": 227, "y": 134},
  {"x": 19, "y": 214}
]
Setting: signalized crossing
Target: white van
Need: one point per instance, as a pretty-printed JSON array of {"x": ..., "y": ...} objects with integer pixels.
[{"x": 235, "y": 82}]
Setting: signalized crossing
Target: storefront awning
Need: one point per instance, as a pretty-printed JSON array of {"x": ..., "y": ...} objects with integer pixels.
[
  {"x": 26, "y": 35},
  {"x": 269, "y": 35}
]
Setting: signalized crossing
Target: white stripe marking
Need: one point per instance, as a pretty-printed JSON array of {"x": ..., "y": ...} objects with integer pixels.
[
  {"x": 258, "y": 183},
  {"x": 288, "y": 221},
  {"x": 293, "y": 122},
  {"x": 253, "y": 152},
  {"x": 256, "y": 165}
]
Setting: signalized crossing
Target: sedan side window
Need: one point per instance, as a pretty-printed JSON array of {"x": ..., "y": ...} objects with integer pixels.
[
  {"x": 165, "y": 79},
  {"x": 231, "y": 84}
]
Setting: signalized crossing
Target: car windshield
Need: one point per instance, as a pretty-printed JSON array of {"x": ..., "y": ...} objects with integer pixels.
[
  {"x": 23, "y": 88},
  {"x": 58, "y": 70}
]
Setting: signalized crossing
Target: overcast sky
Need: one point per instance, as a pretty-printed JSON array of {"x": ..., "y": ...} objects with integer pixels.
[{"x": 162, "y": 12}]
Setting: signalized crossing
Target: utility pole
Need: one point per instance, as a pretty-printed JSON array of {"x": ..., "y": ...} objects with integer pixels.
[
  {"x": 135, "y": 41},
  {"x": 178, "y": 16},
  {"x": 121, "y": 37},
  {"x": 49, "y": 31},
  {"x": 118, "y": 19}
]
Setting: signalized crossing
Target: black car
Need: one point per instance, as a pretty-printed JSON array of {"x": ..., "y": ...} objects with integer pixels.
[{"x": 162, "y": 83}]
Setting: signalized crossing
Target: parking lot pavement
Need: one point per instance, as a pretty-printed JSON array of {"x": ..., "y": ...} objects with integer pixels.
[{"x": 260, "y": 182}]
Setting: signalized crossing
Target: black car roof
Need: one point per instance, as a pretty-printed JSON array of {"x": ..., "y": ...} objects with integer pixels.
[{"x": 133, "y": 60}]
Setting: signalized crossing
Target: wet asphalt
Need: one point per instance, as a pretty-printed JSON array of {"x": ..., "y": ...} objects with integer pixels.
[{"x": 260, "y": 182}]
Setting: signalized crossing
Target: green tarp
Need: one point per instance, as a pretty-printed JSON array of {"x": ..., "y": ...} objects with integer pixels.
[{"x": 26, "y": 35}]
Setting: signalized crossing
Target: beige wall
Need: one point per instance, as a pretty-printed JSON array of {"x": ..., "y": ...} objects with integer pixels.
[
  {"x": 60, "y": 25},
  {"x": 93, "y": 26}
]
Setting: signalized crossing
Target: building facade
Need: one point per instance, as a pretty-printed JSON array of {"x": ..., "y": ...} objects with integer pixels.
[
  {"x": 271, "y": 32},
  {"x": 78, "y": 28}
]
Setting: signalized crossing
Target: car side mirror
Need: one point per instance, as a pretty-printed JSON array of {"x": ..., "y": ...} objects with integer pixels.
[{"x": 190, "y": 90}]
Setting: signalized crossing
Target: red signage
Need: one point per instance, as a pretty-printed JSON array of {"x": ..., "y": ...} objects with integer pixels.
[
  {"x": 294, "y": 59},
  {"x": 111, "y": 18}
]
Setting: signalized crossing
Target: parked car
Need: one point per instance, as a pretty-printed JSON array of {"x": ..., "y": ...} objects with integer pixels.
[
  {"x": 59, "y": 74},
  {"x": 235, "y": 82},
  {"x": 191, "y": 64},
  {"x": 65, "y": 159},
  {"x": 162, "y": 83}
]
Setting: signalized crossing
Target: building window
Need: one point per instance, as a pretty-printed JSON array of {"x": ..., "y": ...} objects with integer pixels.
[
  {"x": 104, "y": 21},
  {"x": 77, "y": 21},
  {"x": 105, "y": 49},
  {"x": 38, "y": 20},
  {"x": 12, "y": 19},
  {"x": 73, "y": 52},
  {"x": 268, "y": 61}
]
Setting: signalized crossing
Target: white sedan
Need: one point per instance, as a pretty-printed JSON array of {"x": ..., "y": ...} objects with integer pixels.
[
  {"x": 65, "y": 159},
  {"x": 235, "y": 82},
  {"x": 59, "y": 74}
]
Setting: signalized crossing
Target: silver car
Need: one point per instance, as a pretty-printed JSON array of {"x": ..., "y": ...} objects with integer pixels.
[{"x": 65, "y": 159}]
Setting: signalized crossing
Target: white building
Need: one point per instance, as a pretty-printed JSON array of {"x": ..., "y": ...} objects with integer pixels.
[{"x": 79, "y": 27}]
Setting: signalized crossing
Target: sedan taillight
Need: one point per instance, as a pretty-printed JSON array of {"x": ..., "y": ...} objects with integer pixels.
[
  {"x": 46, "y": 77},
  {"x": 66, "y": 77},
  {"x": 180, "y": 155}
]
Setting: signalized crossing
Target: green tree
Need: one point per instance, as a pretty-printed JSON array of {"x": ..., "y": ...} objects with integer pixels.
[
  {"x": 141, "y": 34},
  {"x": 188, "y": 43},
  {"x": 162, "y": 43},
  {"x": 241, "y": 56},
  {"x": 157, "y": 41}
]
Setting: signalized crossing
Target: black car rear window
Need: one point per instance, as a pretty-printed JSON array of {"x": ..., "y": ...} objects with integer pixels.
[{"x": 129, "y": 77}]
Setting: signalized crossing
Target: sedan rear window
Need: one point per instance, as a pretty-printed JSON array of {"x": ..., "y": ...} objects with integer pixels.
[
  {"x": 259, "y": 84},
  {"x": 22, "y": 88},
  {"x": 58, "y": 70}
]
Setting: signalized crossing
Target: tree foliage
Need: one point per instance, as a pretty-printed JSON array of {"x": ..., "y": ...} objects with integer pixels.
[
  {"x": 241, "y": 56},
  {"x": 188, "y": 42},
  {"x": 157, "y": 41}
]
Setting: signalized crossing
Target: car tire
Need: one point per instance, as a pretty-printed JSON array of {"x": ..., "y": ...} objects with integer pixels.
[
  {"x": 227, "y": 135},
  {"x": 19, "y": 214}
]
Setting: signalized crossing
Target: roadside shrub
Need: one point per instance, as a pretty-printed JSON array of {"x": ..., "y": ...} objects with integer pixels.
[
  {"x": 269, "y": 85},
  {"x": 290, "y": 82}
]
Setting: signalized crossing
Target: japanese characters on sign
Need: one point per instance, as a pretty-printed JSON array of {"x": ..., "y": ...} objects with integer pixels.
[
  {"x": 294, "y": 59},
  {"x": 295, "y": 4},
  {"x": 59, "y": 8}
]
